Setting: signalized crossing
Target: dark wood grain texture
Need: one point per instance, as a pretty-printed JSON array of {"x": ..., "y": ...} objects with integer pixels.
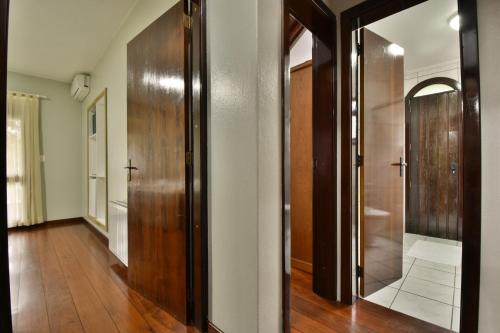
[
  {"x": 325, "y": 164},
  {"x": 158, "y": 212},
  {"x": 471, "y": 223},
  {"x": 196, "y": 248},
  {"x": 301, "y": 165},
  {"x": 369, "y": 12},
  {"x": 433, "y": 154},
  {"x": 203, "y": 83},
  {"x": 5, "y": 318},
  {"x": 316, "y": 17},
  {"x": 382, "y": 128}
]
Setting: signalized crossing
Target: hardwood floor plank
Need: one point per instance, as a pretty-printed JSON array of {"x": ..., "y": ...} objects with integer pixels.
[
  {"x": 331, "y": 319},
  {"x": 363, "y": 316},
  {"x": 123, "y": 313},
  {"x": 158, "y": 319},
  {"x": 31, "y": 313},
  {"x": 92, "y": 313},
  {"x": 61, "y": 310},
  {"x": 303, "y": 323}
]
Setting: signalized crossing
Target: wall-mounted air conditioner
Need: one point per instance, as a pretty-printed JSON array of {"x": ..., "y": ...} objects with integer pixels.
[{"x": 80, "y": 87}]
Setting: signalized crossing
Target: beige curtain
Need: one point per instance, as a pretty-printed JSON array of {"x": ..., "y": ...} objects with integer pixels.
[{"x": 24, "y": 189}]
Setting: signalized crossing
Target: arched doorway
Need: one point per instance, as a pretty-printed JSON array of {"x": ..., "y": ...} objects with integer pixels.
[{"x": 434, "y": 156}]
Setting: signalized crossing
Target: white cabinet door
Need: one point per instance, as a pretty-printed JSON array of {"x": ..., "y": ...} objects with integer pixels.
[{"x": 92, "y": 198}]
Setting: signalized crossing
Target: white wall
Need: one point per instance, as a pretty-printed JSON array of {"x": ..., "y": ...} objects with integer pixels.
[
  {"x": 489, "y": 41},
  {"x": 450, "y": 69},
  {"x": 61, "y": 143},
  {"x": 111, "y": 73},
  {"x": 302, "y": 49},
  {"x": 233, "y": 165},
  {"x": 269, "y": 166},
  {"x": 245, "y": 164}
]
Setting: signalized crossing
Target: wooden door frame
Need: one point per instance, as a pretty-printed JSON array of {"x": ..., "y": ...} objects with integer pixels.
[
  {"x": 455, "y": 85},
  {"x": 5, "y": 304},
  {"x": 320, "y": 20},
  {"x": 369, "y": 12},
  {"x": 198, "y": 306},
  {"x": 5, "y": 310}
]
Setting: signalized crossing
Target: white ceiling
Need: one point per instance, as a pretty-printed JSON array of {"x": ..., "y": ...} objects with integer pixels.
[
  {"x": 423, "y": 32},
  {"x": 302, "y": 49},
  {"x": 57, "y": 39}
]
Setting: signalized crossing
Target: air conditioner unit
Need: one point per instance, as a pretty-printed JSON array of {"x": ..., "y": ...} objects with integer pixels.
[{"x": 80, "y": 87}]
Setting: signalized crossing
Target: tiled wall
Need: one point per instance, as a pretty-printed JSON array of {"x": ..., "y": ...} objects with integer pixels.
[{"x": 449, "y": 69}]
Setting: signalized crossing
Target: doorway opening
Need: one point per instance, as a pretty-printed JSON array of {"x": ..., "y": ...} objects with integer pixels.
[
  {"x": 406, "y": 168},
  {"x": 309, "y": 147}
]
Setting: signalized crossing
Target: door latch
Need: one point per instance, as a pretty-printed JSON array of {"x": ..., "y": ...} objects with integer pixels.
[
  {"x": 359, "y": 160},
  {"x": 359, "y": 271},
  {"x": 129, "y": 168},
  {"x": 402, "y": 164}
]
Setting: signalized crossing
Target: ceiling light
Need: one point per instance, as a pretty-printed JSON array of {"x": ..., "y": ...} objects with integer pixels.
[
  {"x": 395, "y": 50},
  {"x": 454, "y": 22}
]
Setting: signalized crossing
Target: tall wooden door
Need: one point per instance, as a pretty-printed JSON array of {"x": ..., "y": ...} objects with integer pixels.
[
  {"x": 157, "y": 141},
  {"x": 433, "y": 123},
  {"x": 301, "y": 165},
  {"x": 382, "y": 142}
]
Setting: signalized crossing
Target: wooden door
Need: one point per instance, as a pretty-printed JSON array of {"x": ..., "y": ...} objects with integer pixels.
[
  {"x": 157, "y": 194},
  {"x": 434, "y": 168},
  {"x": 301, "y": 166},
  {"x": 382, "y": 142}
]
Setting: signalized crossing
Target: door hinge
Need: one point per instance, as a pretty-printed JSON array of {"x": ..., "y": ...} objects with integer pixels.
[
  {"x": 359, "y": 271},
  {"x": 359, "y": 160},
  {"x": 189, "y": 158},
  {"x": 359, "y": 49},
  {"x": 187, "y": 21}
]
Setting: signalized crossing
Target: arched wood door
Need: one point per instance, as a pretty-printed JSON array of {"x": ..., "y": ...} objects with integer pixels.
[{"x": 433, "y": 154}]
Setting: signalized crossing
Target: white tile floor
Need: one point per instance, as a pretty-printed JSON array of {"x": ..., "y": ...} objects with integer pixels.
[{"x": 429, "y": 289}]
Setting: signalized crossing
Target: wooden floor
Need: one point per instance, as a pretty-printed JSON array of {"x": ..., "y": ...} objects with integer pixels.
[
  {"x": 311, "y": 313},
  {"x": 64, "y": 279}
]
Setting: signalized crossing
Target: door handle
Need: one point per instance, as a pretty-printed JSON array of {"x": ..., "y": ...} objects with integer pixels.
[
  {"x": 129, "y": 167},
  {"x": 401, "y": 166},
  {"x": 453, "y": 168}
]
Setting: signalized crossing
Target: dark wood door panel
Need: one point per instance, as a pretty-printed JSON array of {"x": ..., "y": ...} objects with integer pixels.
[
  {"x": 156, "y": 147},
  {"x": 324, "y": 188},
  {"x": 382, "y": 144},
  {"x": 434, "y": 134}
]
